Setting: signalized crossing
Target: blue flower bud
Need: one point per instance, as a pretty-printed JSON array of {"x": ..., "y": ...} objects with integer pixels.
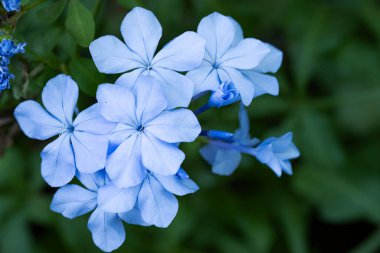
[
  {"x": 11, "y": 5},
  {"x": 225, "y": 94},
  {"x": 218, "y": 135}
]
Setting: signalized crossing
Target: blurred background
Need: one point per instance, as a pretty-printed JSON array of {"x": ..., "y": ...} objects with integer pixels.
[{"x": 329, "y": 97}]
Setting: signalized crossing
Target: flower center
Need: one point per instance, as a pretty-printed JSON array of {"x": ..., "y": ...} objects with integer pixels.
[{"x": 140, "y": 128}]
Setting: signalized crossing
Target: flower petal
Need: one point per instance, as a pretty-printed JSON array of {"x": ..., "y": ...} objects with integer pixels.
[
  {"x": 129, "y": 79},
  {"x": 160, "y": 157},
  {"x": 133, "y": 217},
  {"x": 124, "y": 165},
  {"x": 116, "y": 104},
  {"x": 150, "y": 100},
  {"x": 117, "y": 200},
  {"x": 158, "y": 206},
  {"x": 223, "y": 161},
  {"x": 112, "y": 56},
  {"x": 204, "y": 78},
  {"x": 183, "y": 53},
  {"x": 179, "y": 125},
  {"x": 107, "y": 230},
  {"x": 72, "y": 201},
  {"x": 92, "y": 181},
  {"x": 58, "y": 166},
  {"x": 264, "y": 84},
  {"x": 178, "y": 89},
  {"x": 90, "y": 121},
  {"x": 90, "y": 151},
  {"x": 219, "y": 32},
  {"x": 60, "y": 96},
  {"x": 239, "y": 36},
  {"x": 121, "y": 133},
  {"x": 245, "y": 55},
  {"x": 177, "y": 185},
  {"x": 141, "y": 32},
  {"x": 35, "y": 122},
  {"x": 271, "y": 62}
]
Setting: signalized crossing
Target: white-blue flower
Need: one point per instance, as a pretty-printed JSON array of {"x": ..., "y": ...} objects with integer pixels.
[
  {"x": 147, "y": 133},
  {"x": 141, "y": 32},
  {"x": 81, "y": 144},
  {"x": 230, "y": 57}
]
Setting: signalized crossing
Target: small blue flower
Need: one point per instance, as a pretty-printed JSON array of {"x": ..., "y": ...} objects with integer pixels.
[
  {"x": 276, "y": 153},
  {"x": 72, "y": 201},
  {"x": 9, "y": 48},
  {"x": 224, "y": 95},
  {"x": 146, "y": 134},
  {"x": 141, "y": 32},
  {"x": 230, "y": 57},
  {"x": 81, "y": 144},
  {"x": 11, "y": 5},
  {"x": 5, "y": 77}
]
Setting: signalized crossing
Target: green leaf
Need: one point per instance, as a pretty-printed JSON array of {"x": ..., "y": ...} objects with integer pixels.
[
  {"x": 52, "y": 11},
  {"x": 15, "y": 235},
  {"x": 80, "y": 23},
  {"x": 86, "y": 75},
  {"x": 129, "y": 4}
]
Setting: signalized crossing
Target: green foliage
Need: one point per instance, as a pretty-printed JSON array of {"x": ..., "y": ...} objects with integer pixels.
[{"x": 329, "y": 97}]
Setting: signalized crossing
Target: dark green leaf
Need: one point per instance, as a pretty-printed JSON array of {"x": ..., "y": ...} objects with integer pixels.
[{"x": 52, "y": 11}]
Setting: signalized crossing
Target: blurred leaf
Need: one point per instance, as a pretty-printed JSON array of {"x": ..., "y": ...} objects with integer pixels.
[
  {"x": 80, "y": 23},
  {"x": 52, "y": 11},
  {"x": 129, "y": 4},
  {"x": 15, "y": 236}
]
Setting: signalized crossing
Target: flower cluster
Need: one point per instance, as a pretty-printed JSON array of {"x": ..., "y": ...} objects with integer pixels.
[
  {"x": 124, "y": 150},
  {"x": 11, "y": 5},
  {"x": 8, "y": 49}
]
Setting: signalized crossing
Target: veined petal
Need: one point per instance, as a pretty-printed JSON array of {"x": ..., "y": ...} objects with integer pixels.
[
  {"x": 242, "y": 84},
  {"x": 58, "y": 166},
  {"x": 264, "y": 84},
  {"x": 179, "y": 125},
  {"x": 133, "y": 217},
  {"x": 245, "y": 55},
  {"x": 35, "y": 122},
  {"x": 271, "y": 62},
  {"x": 160, "y": 157},
  {"x": 150, "y": 100},
  {"x": 92, "y": 181},
  {"x": 219, "y": 33},
  {"x": 116, "y": 104},
  {"x": 117, "y": 200},
  {"x": 129, "y": 79},
  {"x": 141, "y": 32},
  {"x": 90, "y": 151},
  {"x": 121, "y": 133},
  {"x": 239, "y": 36},
  {"x": 107, "y": 230},
  {"x": 157, "y": 206},
  {"x": 60, "y": 97},
  {"x": 177, "y": 185},
  {"x": 183, "y": 53},
  {"x": 124, "y": 165},
  {"x": 178, "y": 89},
  {"x": 204, "y": 78},
  {"x": 72, "y": 201},
  {"x": 112, "y": 56},
  {"x": 90, "y": 121}
]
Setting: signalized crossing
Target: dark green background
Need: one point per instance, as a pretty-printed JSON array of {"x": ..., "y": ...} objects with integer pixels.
[{"x": 329, "y": 97}]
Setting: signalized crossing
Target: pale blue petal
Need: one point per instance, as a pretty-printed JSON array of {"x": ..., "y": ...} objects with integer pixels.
[
  {"x": 242, "y": 84},
  {"x": 177, "y": 185},
  {"x": 160, "y": 157},
  {"x": 204, "y": 78},
  {"x": 150, "y": 99},
  {"x": 286, "y": 167},
  {"x": 60, "y": 97},
  {"x": 120, "y": 133},
  {"x": 245, "y": 55},
  {"x": 58, "y": 166},
  {"x": 219, "y": 33},
  {"x": 35, "y": 122},
  {"x": 111, "y": 56},
  {"x": 92, "y": 181},
  {"x": 242, "y": 134},
  {"x": 271, "y": 62},
  {"x": 274, "y": 164},
  {"x": 90, "y": 151},
  {"x": 183, "y": 53},
  {"x": 107, "y": 230},
  {"x": 179, "y": 125},
  {"x": 178, "y": 89},
  {"x": 141, "y": 32},
  {"x": 208, "y": 152},
  {"x": 264, "y": 84},
  {"x": 157, "y": 205},
  {"x": 72, "y": 201},
  {"x": 116, "y": 104},
  {"x": 124, "y": 166},
  {"x": 117, "y": 200},
  {"x": 226, "y": 162},
  {"x": 133, "y": 217},
  {"x": 239, "y": 36},
  {"x": 129, "y": 79},
  {"x": 90, "y": 121}
]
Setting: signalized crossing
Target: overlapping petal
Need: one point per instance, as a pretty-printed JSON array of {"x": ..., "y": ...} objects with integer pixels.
[
  {"x": 204, "y": 78},
  {"x": 117, "y": 200},
  {"x": 264, "y": 84},
  {"x": 177, "y": 185}
]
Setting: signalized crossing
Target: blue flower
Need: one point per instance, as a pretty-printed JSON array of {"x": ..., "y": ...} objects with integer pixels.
[
  {"x": 224, "y": 95},
  {"x": 141, "y": 32},
  {"x": 11, "y": 5},
  {"x": 146, "y": 134},
  {"x": 225, "y": 157},
  {"x": 8, "y": 49},
  {"x": 72, "y": 201},
  {"x": 5, "y": 77},
  {"x": 81, "y": 144},
  {"x": 276, "y": 153},
  {"x": 155, "y": 200},
  {"x": 230, "y": 57}
]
